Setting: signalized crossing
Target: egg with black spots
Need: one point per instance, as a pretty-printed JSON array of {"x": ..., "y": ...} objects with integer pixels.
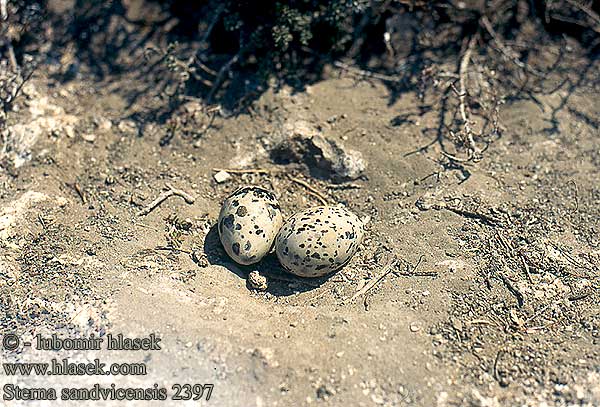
[
  {"x": 319, "y": 240},
  {"x": 248, "y": 224}
]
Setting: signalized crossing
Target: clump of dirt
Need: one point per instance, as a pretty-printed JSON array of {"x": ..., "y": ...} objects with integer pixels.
[{"x": 323, "y": 157}]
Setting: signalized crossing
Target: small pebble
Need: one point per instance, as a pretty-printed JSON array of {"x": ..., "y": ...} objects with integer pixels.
[
  {"x": 414, "y": 327},
  {"x": 90, "y": 138},
  {"x": 222, "y": 177},
  {"x": 128, "y": 127},
  {"x": 257, "y": 282}
]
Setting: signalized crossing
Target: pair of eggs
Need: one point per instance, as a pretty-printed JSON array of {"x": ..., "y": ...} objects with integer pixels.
[{"x": 311, "y": 243}]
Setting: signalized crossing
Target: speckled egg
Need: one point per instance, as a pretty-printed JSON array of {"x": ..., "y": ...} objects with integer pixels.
[
  {"x": 319, "y": 240},
  {"x": 248, "y": 223}
]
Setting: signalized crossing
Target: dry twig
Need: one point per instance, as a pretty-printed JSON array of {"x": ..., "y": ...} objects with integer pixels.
[
  {"x": 512, "y": 289},
  {"x": 243, "y": 171},
  {"x": 312, "y": 191},
  {"x": 172, "y": 249},
  {"x": 222, "y": 75},
  {"x": 373, "y": 282},
  {"x": 414, "y": 272},
  {"x": 590, "y": 13},
  {"x": 504, "y": 49},
  {"x": 474, "y": 151},
  {"x": 495, "y": 370},
  {"x": 366, "y": 74},
  {"x": 189, "y": 199},
  {"x": 77, "y": 189}
]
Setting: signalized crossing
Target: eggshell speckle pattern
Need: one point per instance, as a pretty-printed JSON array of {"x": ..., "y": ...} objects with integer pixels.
[
  {"x": 248, "y": 223},
  {"x": 319, "y": 240}
]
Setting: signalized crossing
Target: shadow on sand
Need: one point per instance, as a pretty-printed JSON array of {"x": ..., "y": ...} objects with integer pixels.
[{"x": 281, "y": 283}]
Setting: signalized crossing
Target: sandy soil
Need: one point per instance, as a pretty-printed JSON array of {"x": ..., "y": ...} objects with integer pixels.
[{"x": 493, "y": 301}]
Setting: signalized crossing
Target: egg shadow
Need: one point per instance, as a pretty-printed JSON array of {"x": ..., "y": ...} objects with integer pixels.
[
  {"x": 216, "y": 255},
  {"x": 280, "y": 283}
]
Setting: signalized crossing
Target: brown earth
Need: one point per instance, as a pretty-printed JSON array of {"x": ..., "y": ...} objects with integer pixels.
[{"x": 493, "y": 300}]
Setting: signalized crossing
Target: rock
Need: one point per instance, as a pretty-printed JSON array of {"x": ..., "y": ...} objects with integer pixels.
[
  {"x": 222, "y": 177},
  {"x": 90, "y": 138},
  {"x": 104, "y": 124},
  {"x": 325, "y": 391},
  {"x": 329, "y": 158},
  {"x": 128, "y": 127},
  {"x": 257, "y": 282},
  {"x": 345, "y": 163}
]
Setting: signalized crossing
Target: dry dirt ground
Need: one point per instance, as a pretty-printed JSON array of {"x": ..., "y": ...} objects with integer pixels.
[{"x": 493, "y": 299}]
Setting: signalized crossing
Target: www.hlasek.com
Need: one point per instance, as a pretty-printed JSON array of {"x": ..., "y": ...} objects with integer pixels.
[{"x": 66, "y": 367}]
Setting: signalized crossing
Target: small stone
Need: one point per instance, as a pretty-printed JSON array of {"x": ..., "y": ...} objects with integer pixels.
[
  {"x": 415, "y": 327},
  {"x": 69, "y": 131},
  {"x": 222, "y": 177},
  {"x": 257, "y": 282},
  {"x": 90, "y": 138},
  {"x": 104, "y": 124},
  {"x": 128, "y": 127},
  {"x": 377, "y": 399},
  {"x": 200, "y": 258},
  {"x": 325, "y": 391}
]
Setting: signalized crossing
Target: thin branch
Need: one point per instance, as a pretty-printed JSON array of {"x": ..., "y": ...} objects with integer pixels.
[
  {"x": 414, "y": 272},
  {"x": 366, "y": 74},
  {"x": 373, "y": 282},
  {"x": 173, "y": 249},
  {"x": 590, "y": 13},
  {"x": 464, "y": 67},
  {"x": 223, "y": 72},
  {"x": 243, "y": 171},
  {"x": 311, "y": 190},
  {"x": 189, "y": 199},
  {"x": 213, "y": 23},
  {"x": 6, "y": 104},
  {"x": 79, "y": 191},
  {"x": 504, "y": 49}
]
